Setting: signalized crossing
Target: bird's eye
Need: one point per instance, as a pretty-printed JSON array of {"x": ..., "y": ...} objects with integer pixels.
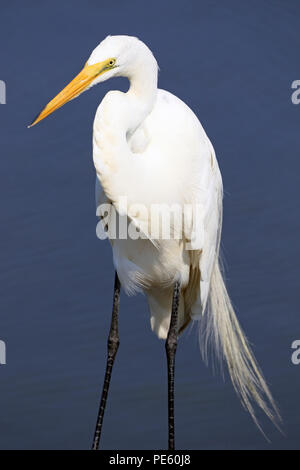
[{"x": 111, "y": 62}]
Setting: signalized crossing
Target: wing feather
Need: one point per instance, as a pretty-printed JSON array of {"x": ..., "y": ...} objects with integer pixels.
[{"x": 209, "y": 196}]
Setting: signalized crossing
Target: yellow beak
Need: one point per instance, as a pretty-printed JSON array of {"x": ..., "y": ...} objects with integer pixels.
[{"x": 73, "y": 89}]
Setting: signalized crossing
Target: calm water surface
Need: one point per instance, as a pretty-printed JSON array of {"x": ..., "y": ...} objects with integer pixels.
[{"x": 233, "y": 63}]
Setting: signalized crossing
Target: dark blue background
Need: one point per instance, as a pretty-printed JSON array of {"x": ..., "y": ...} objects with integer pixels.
[{"x": 233, "y": 62}]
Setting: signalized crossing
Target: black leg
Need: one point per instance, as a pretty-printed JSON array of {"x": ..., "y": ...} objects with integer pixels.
[
  {"x": 171, "y": 345},
  {"x": 112, "y": 348}
]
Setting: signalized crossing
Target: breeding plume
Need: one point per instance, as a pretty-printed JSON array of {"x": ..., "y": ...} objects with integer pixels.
[{"x": 157, "y": 172}]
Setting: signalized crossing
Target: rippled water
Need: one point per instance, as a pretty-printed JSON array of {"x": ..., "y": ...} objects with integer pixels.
[{"x": 233, "y": 63}]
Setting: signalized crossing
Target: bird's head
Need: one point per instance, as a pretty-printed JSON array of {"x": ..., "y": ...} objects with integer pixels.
[{"x": 114, "y": 56}]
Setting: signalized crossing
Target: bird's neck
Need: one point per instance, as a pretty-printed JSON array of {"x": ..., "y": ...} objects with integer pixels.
[
  {"x": 117, "y": 118},
  {"x": 142, "y": 92},
  {"x": 139, "y": 101}
]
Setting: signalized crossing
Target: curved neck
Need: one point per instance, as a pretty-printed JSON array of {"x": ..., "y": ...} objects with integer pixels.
[
  {"x": 143, "y": 84},
  {"x": 141, "y": 94},
  {"x": 117, "y": 118}
]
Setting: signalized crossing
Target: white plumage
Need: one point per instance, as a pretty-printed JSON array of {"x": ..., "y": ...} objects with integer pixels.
[
  {"x": 161, "y": 155},
  {"x": 150, "y": 148}
]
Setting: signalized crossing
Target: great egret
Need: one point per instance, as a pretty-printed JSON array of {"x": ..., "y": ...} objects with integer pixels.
[{"x": 149, "y": 147}]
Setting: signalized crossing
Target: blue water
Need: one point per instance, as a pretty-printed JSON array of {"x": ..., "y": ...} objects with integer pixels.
[{"x": 233, "y": 62}]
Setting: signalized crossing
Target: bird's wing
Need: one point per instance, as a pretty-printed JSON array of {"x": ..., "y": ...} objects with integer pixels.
[
  {"x": 208, "y": 199},
  {"x": 170, "y": 161},
  {"x": 185, "y": 170}
]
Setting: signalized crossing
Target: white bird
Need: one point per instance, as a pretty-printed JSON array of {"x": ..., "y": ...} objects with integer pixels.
[{"x": 150, "y": 150}]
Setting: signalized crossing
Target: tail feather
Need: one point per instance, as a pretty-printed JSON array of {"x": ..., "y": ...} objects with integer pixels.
[{"x": 220, "y": 326}]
